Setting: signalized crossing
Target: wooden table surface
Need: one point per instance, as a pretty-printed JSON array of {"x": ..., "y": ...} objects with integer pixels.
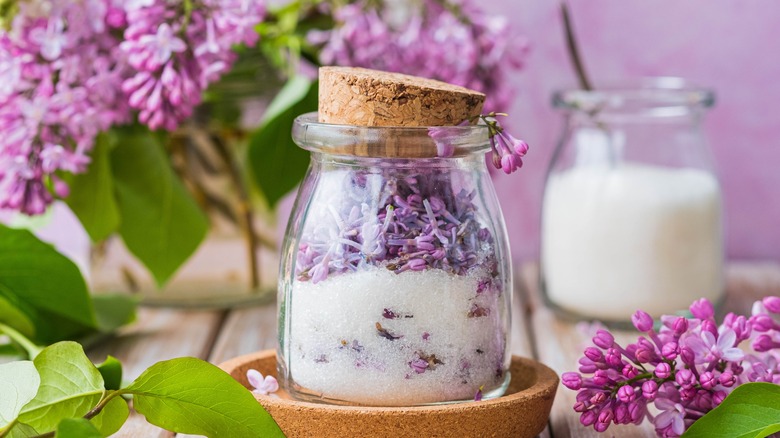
[{"x": 217, "y": 335}]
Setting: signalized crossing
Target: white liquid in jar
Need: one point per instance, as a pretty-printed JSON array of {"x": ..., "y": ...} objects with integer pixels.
[{"x": 631, "y": 237}]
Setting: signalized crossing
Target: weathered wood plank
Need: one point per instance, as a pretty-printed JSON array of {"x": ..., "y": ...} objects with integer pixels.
[
  {"x": 159, "y": 334},
  {"x": 245, "y": 331},
  {"x": 560, "y": 343}
]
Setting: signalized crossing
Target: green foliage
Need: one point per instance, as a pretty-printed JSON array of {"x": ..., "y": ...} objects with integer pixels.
[
  {"x": 111, "y": 370},
  {"x": 191, "y": 396},
  {"x": 277, "y": 164},
  {"x": 161, "y": 223},
  {"x": 751, "y": 411},
  {"x": 92, "y": 192},
  {"x": 70, "y": 387},
  {"x": 19, "y": 382},
  {"x": 43, "y": 287},
  {"x": 62, "y": 391},
  {"x": 112, "y": 417},
  {"x": 113, "y": 311},
  {"x": 77, "y": 428}
]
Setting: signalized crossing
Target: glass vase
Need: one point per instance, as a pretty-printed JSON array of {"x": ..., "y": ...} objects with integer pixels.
[
  {"x": 395, "y": 283},
  {"x": 632, "y": 207}
]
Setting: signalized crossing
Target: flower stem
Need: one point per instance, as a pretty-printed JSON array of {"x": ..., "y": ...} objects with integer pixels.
[
  {"x": 31, "y": 349},
  {"x": 574, "y": 52}
]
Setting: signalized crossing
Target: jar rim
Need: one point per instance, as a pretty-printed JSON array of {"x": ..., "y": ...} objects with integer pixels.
[
  {"x": 663, "y": 95},
  {"x": 389, "y": 141}
]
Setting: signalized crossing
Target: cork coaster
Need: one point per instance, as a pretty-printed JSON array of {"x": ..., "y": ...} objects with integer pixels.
[
  {"x": 522, "y": 412},
  {"x": 358, "y": 96}
]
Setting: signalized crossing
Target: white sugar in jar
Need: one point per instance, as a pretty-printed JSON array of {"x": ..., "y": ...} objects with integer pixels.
[{"x": 632, "y": 214}]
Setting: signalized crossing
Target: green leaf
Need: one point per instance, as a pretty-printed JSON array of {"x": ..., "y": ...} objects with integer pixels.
[
  {"x": 114, "y": 310},
  {"x": 77, "y": 428},
  {"x": 33, "y": 275},
  {"x": 92, "y": 193},
  {"x": 13, "y": 316},
  {"x": 188, "y": 395},
  {"x": 70, "y": 387},
  {"x": 19, "y": 382},
  {"x": 111, "y": 370},
  {"x": 276, "y": 163},
  {"x": 112, "y": 417},
  {"x": 751, "y": 411},
  {"x": 22, "y": 431},
  {"x": 161, "y": 224}
]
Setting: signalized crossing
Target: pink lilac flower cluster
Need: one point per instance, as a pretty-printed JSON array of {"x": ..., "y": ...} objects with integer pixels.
[
  {"x": 507, "y": 151},
  {"x": 58, "y": 76},
  {"x": 70, "y": 70},
  {"x": 679, "y": 372},
  {"x": 420, "y": 222},
  {"x": 175, "y": 56},
  {"x": 450, "y": 41}
]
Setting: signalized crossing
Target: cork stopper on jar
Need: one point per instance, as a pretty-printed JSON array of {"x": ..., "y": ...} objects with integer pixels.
[{"x": 362, "y": 97}]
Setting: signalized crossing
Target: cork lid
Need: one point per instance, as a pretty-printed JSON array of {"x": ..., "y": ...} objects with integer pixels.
[{"x": 363, "y": 97}]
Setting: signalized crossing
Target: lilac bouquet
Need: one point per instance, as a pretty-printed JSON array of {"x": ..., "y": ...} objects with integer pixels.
[{"x": 678, "y": 372}]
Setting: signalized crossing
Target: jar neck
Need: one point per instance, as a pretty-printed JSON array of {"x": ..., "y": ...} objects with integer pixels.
[
  {"x": 474, "y": 162},
  {"x": 390, "y": 142}
]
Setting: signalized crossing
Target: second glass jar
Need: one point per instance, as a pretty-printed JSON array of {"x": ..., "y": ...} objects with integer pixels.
[
  {"x": 395, "y": 283},
  {"x": 632, "y": 206}
]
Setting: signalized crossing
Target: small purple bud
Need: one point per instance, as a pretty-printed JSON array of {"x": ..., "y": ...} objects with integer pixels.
[
  {"x": 642, "y": 321},
  {"x": 600, "y": 378},
  {"x": 763, "y": 343},
  {"x": 727, "y": 379},
  {"x": 741, "y": 327},
  {"x": 762, "y": 323},
  {"x": 588, "y": 418},
  {"x": 709, "y": 326},
  {"x": 687, "y": 393},
  {"x": 703, "y": 400},
  {"x": 626, "y": 394},
  {"x": 622, "y": 414},
  {"x": 637, "y": 410},
  {"x": 644, "y": 355},
  {"x": 736, "y": 369},
  {"x": 685, "y": 378},
  {"x": 702, "y": 309},
  {"x": 687, "y": 355},
  {"x": 599, "y": 398},
  {"x": 604, "y": 420},
  {"x": 680, "y": 326},
  {"x": 630, "y": 371},
  {"x": 425, "y": 336},
  {"x": 594, "y": 354},
  {"x": 419, "y": 365},
  {"x": 670, "y": 351},
  {"x": 772, "y": 304},
  {"x": 663, "y": 370},
  {"x": 614, "y": 358},
  {"x": 708, "y": 380},
  {"x": 572, "y": 381},
  {"x": 718, "y": 398},
  {"x": 650, "y": 390},
  {"x": 415, "y": 265},
  {"x": 580, "y": 407},
  {"x": 389, "y": 314},
  {"x": 603, "y": 339}
]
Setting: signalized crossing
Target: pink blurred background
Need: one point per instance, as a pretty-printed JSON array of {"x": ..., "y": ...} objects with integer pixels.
[{"x": 732, "y": 46}]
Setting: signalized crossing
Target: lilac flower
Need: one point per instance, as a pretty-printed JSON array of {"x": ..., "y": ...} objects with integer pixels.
[
  {"x": 455, "y": 43},
  {"x": 708, "y": 348},
  {"x": 419, "y": 365},
  {"x": 685, "y": 368},
  {"x": 262, "y": 385}
]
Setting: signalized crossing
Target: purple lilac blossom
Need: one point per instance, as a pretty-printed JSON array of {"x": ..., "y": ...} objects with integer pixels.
[
  {"x": 419, "y": 223},
  {"x": 455, "y": 43},
  {"x": 681, "y": 370},
  {"x": 66, "y": 75}
]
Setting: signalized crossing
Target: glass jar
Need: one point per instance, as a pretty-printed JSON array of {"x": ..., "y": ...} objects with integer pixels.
[
  {"x": 395, "y": 283},
  {"x": 632, "y": 207}
]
